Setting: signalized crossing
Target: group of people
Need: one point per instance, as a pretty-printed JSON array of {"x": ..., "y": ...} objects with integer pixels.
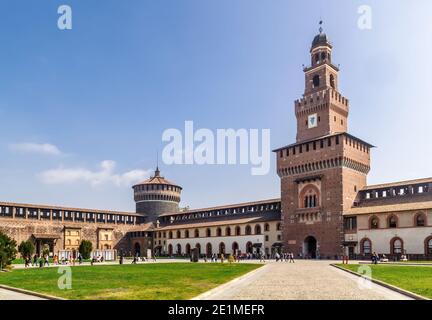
[
  {"x": 40, "y": 260},
  {"x": 285, "y": 256},
  {"x": 137, "y": 259}
]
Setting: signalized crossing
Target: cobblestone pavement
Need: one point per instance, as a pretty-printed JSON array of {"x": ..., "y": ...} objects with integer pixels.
[
  {"x": 302, "y": 280},
  {"x": 12, "y": 295}
]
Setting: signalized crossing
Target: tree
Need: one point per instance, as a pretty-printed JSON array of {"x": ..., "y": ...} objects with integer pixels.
[
  {"x": 26, "y": 249},
  {"x": 85, "y": 249},
  {"x": 7, "y": 250},
  {"x": 46, "y": 250}
]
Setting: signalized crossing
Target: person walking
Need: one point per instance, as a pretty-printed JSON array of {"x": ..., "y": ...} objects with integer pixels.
[
  {"x": 291, "y": 257},
  {"x": 35, "y": 260},
  {"x": 262, "y": 258}
]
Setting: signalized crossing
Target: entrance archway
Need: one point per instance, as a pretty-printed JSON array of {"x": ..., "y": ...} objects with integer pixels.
[
  {"x": 209, "y": 250},
  {"x": 310, "y": 247},
  {"x": 235, "y": 248}
]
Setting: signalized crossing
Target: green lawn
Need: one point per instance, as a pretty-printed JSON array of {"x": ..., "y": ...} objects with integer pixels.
[
  {"x": 117, "y": 282},
  {"x": 411, "y": 278}
]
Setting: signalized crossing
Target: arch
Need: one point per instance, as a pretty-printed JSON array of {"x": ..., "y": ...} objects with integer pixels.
[
  {"x": 374, "y": 222},
  {"x": 170, "y": 249},
  {"x": 248, "y": 230},
  {"x": 257, "y": 229},
  {"x": 323, "y": 55},
  {"x": 228, "y": 231},
  {"x": 170, "y": 235},
  {"x": 188, "y": 249},
  {"x": 221, "y": 248},
  {"x": 332, "y": 81},
  {"x": 186, "y": 233},
  {"x": 249, "y": 247},
  {"x": 137, "y": 249},
  {"x": 392, "y": 221},
  {"x": 196, "y": 233},
  {"x": 396, "y": 246},
  {"x": 209, "y": 249},
  {"x": 309, "y": 197},
  {"x": 198, "y": 247},
  {"x": 310, "y": 247},
  {"x": 428, "y": 246},
  {"x": 219, "y": 232},
  {"x": 279, "y": 226},
  {"x": 235, "y": 248},
  {"x": 178, "y": 234},
  {"x": 208, "y": 232},
  {"x": 238, "y": 231},
  {"x": 420, "y": 219},
  {"x": 365, "y": 246},
  {"x": 316, "y": 81},
  {"x": 266, "y": 227},
  {"x": 179, "y": 249}
]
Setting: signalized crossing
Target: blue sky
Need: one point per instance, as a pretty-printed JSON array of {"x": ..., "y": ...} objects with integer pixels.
[{"x": 96, "y": 99}]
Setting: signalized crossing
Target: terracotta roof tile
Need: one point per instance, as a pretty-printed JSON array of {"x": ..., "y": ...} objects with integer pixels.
[
  {"x": 398, "y": 183},
  {"x": 421, "y": 205}
]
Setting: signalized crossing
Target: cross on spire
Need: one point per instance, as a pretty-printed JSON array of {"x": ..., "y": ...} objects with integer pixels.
[{"x": 320, "y": 28}]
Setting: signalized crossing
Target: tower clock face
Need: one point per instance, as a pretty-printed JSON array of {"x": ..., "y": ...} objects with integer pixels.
[{"x": 312, "y": 120}]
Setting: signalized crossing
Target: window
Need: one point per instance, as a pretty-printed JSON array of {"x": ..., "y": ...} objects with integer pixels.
[
  {"x": 374, "y": 223},
  {"x": 197, "y": 233},
  {"x": 366, "y": 246},
  {"x": 257, "y": 229},
  {"x": 266, "y": 238},
  {"x": 350, "y": 223},
  {"x": 429, "y": 246},
  {"x": 266, "y": 227},
  {"x": 228, "y": 231},
  {"x": 332, "y": 81},
  {"x": 316, "y": 81},
  {"x": 178, "y": 234},
  {"x": 420, "y": 220},
  {"x": 278, "y": 227},
  {"x": 323, "y": 55},
  {"x": 219, "y": 232},
  {"x": 248, "y": 230},
  {"x": 397, "y": 246},
  {"x": 392, "y": 222},
  {"x": 237, "y": 231},
  {"x": 170, "y": 235}
]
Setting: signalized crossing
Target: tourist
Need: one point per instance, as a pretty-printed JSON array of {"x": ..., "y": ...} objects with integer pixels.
[
  {"x": 222, "y": 258},
  {"x": 35, "y": 260},
  {"x": 41, "y": 263},
  {"x": 80, "y": 258},
  {"x": 262, "y": 258},
  {"x": 46, "y": 260},
  {"x": 55, "y": 260}
]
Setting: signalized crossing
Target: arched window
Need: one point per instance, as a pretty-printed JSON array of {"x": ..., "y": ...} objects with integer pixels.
[
  {"x": 257, "y": 229},
  {"x": 198, "y": 247},
  {"x": 374, "y": 223},
  {"x": 235, "y": 247},
  {"x": 196, "y": 233},
  {"x": 396, "y": 246},
  {"x": 170, "y": 249},
  {"x": 186, "y": 233},
  {"x": 221, "y": 248},
  {"x": 188, "y": 249},
  {"x": 208, "y": 232},
  {"x": 278, "y": 227},
  {"x": 420, "y": 220},
  {"x": 316, "y": 81},
  {"x": 366, "y": 246},
  {"x": 266, "y": 227},
  {"x": 316, "y": 57},
  {"x": 179, "y": 248},
  {"x": 392, "y": 221},
  {"x": 209, "y": 250},
  {"x": 219, "y": 232},
  {"x": 309, "y": 197},
  {"x": 170, "y": 235},
  {"x": 178, "y": 234},
  {"x": 428, "y": 246},
  {"x": 323, "y": 55},
  {"x": 249, "y": 247},
  {"x": 332, "y": 81},
  {"x": 228, "y": 231},
  {"x": 248, "y": 230},
  {"x": 237, "y": 231}
]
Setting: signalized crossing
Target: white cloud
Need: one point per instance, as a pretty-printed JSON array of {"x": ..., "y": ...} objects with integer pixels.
[
  {"x": 105, "y": 175},
  {"x": 41, "y": 148}
]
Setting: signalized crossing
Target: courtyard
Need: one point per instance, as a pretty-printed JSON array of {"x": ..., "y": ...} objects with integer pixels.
[{"x": 177, "y": 280}]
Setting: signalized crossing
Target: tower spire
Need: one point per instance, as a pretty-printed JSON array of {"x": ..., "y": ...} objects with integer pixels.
[
  {"x": 320, "y": 28},
  {"x": 157, "y": 171}
]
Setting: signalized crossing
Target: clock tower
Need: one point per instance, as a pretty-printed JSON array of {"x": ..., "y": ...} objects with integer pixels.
[
  {"x": 322, "y": 172},
  {"x": 322, "y": 110}
]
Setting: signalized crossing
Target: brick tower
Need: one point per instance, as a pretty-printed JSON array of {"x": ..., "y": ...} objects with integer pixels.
[
  {"x": 155, "y": 196},
  {"x": 322, "y": 172}
]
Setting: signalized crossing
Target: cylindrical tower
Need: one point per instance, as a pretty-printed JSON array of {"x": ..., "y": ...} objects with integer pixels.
[{"x": 155, "y": 196}]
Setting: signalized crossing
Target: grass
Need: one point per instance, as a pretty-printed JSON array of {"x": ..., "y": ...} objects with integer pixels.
[
  {"x": 412, "y": 278},
  {"x": 161, "y": 281}
]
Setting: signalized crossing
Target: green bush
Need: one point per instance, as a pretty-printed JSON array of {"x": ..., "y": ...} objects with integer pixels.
[
  {"x": 26, "y": 249},
  {"x": 85, "y": 249},
  {"x": 7, "y": 250}
]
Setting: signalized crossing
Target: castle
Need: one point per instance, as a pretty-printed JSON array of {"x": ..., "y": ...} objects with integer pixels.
[{"x": 325, "y": 208}]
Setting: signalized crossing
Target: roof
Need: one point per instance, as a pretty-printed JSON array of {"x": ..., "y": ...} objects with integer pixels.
[
  {"x": 142, "y": 227},
  {"x": 320, "y": 39},
  {"x": 157, "y": 179},
  {"x": 324, "y": 137},
  {"x": 51, "y": 207},
  {"x": 421, "y": 205},
  {"x": 222, "y": 207},
  {"x": 398, "y": 184},
  {"x": 223, "y": 222},
  {"x": 46, "y": 236}
]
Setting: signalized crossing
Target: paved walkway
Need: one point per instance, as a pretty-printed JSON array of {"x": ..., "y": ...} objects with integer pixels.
[
  {"x": 13, "y": 295},
  {"x": 303, "y": 280}
]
